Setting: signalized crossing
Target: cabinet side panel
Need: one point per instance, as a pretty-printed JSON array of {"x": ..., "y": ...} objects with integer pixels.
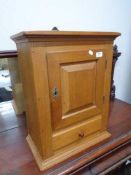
[
  {"x": 28, "y": 88},
  {"x": 109, "y": 56},
  {"x": 42, "y": 101}
]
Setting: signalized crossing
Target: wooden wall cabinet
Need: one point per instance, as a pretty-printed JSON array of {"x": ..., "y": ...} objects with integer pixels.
[{"x": 66, "y": 80}]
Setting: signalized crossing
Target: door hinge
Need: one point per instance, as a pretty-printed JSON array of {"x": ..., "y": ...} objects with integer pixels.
[
  {"x": 103, "y": 99},
  {"x": 106, "y": 64}
]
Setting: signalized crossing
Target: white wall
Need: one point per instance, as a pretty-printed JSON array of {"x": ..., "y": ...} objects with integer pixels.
[{"x": 98, "y": 15}]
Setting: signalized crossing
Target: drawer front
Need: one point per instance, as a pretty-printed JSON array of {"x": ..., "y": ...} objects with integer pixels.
[
  {"x": 76, "y": 133},
  {"x": 76, "y": 83}
]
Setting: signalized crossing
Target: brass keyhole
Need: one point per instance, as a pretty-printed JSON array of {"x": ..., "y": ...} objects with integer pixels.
[{"x": 55, "y": 92}]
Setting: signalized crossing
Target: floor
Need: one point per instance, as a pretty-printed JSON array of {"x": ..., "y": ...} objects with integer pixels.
[
  {"x": 5, "y": 86},
  {"x": 15, "y": 156},
  {"x": 4, "y": 78},
  {"x": 8, "y": 119}
]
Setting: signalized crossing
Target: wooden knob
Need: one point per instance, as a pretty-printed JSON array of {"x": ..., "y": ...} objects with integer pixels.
[{"x": 81, "y": 134}]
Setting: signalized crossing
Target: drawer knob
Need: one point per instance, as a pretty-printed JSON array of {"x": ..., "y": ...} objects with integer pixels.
[{"x": 81, "y": 134}]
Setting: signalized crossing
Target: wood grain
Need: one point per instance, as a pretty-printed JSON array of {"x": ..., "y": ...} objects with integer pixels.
[{"x": 67, "y": 89}]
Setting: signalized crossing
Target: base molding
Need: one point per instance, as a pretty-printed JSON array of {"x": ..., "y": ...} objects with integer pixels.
[{"x": 65, "y": 153}]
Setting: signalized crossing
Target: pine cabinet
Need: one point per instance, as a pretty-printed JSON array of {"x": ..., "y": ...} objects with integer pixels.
[{"x": 66, "y": 80}]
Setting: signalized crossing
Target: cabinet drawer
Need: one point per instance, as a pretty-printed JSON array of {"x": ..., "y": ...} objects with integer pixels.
[{"x": 77, "y": 132}]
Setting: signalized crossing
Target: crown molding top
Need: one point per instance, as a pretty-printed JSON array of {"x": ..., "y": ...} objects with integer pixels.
[{"x": 46, "y": 36}]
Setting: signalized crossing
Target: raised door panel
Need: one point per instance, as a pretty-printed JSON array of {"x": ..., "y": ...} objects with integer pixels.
[
  {"x": 76, "y": 81},
  {"x": 78, "y": 86}
]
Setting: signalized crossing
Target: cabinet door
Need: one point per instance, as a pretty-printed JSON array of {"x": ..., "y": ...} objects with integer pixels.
[{"x": 76, "y": 82}]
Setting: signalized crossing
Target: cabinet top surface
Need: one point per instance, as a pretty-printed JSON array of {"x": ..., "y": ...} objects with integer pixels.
[{"x": 49, "y": 34}]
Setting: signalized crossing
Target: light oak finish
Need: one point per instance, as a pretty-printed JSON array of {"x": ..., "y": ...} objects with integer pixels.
[
  {"x": 66, "y": 80},
  {"x": 69, "y": 80},
  {"x": 66, "y": 153}
]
